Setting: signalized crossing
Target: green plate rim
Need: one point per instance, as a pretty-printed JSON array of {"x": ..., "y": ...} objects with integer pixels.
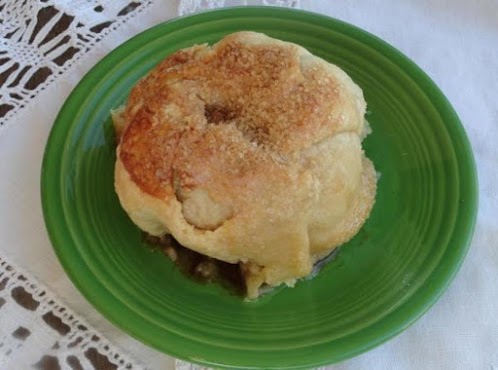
[{"x": 389, "y": 326}]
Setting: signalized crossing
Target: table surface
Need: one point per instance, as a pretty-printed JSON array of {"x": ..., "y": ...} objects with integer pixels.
[{"x": 455, "y": 42}]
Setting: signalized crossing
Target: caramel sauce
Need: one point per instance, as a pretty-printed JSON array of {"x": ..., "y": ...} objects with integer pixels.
[{"x": 198, "y": 267}]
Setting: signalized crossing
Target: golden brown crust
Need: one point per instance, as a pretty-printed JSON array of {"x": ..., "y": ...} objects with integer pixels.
[
  {"x": 257, "y": 90},
  {"x": 242, "y": 146}
]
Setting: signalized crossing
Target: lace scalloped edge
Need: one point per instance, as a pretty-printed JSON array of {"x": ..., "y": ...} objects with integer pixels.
[
  {"x": 50, "y": 303},
  {"x": 71, "y": 63}
]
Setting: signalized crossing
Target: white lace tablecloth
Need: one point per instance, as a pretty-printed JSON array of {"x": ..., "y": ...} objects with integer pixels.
[{"x": 45, "y": 321}]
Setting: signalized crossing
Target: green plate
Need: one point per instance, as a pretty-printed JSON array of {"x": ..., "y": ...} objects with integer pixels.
[{"x": 382, "y": 281}]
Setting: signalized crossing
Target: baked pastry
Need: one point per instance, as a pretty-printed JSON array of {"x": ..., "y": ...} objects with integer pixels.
[{"x": 247, "y": 151}]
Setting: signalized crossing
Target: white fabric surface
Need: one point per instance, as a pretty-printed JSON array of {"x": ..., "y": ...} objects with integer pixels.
[
  {"x": 187, "y": 7},
  {"x": 455, "y": 42}
]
